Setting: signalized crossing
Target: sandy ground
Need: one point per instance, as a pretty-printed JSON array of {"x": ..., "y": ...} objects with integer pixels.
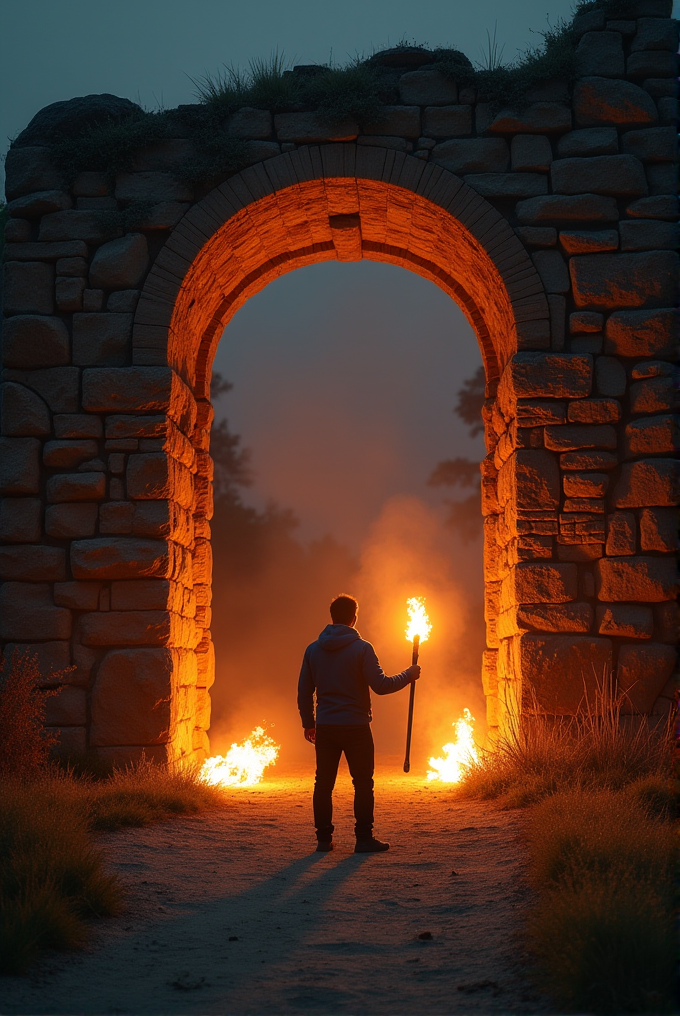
[{"x": 232, "y": 912}]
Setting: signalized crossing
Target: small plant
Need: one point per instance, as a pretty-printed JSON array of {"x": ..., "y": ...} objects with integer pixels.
[
  {"x": 25, "y": 745},
  {"x": 349, "y": 93}
]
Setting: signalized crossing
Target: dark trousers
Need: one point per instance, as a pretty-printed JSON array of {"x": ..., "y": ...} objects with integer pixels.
[{"x": 356, "y": 740}]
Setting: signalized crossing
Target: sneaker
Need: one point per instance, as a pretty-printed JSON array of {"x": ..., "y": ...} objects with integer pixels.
[
  {"x": 371, "y": 846},
  {"x": 324, "y": 845}
]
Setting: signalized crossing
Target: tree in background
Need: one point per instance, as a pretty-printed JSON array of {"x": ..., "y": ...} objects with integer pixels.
[{"x": 464, "y": 516}]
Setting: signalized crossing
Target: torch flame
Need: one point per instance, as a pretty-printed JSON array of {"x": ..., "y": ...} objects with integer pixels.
[
  {"x": 459, "y": 755},
  {"x": 418, "y": 621},
  {"x": 244, "y": 763}
]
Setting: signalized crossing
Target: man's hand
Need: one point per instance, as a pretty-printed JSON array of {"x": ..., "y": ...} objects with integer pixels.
[
  {"x": 413, "y": 672},
  {"x": 310, "y": 733}
]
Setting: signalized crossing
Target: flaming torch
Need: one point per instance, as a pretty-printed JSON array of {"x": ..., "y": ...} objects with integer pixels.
[{"x": 417, "y": 630}]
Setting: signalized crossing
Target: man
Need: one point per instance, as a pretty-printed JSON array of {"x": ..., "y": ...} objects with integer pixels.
[{"x": 340, "y": 667}]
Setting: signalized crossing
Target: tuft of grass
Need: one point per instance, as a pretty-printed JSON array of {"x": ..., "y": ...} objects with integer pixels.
[
  {"x": 602, "y": 932},
  {"x": 25, "y": 745}
]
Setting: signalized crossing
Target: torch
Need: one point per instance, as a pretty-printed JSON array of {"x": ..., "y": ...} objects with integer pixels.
[{"x": 417, "y": 630}]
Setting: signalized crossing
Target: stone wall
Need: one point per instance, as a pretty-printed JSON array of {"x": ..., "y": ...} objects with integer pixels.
[{"x": 553, "y": 225}]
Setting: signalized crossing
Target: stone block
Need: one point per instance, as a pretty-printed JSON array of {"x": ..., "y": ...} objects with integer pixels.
[
  {"x": 625, "y": 620},
  {"x": 537, "y": 236},
  {"x": 67, "y": 708},
  {"x": 168, "y": 154},
  {"x": 447, "y": 121},
  {"x": 120, "y": 264},
  {"x": 657, "y": 206},
  {"x": 115, "y": 517},
  {"x": 654, "y": 395},
  {"x": 31, "y": 341},
  {"x": 150, "y": 186},
  {"x": 594, "y": 411},
  {"x": 585, "y": 484},
  {"x": 589, "y": 21},
  {"x": 396, "y": 121},
  {"x": 20, "y": 520},
  {"x": 22, "y": 412},
  {"x": 123, "y": 302},
  {"x": 90, "y": 185},
  {"x": 141, "y": 594},
  {"x": 562, "y": 671},
  {"x": 600, "y": 53},
  {"x": 247, "y": 122},
  {"x": 555, "y": 617},
  {"x": 621, "y": 534},
  {"x": 53, "y": 659},
  {"x": 588, "y": 241},
  {"x": 586, "y": 344},
  {"x": 167, "y": 214},
  {"x": 77, "y": 425},
  {"x": 530, "y": 153},
  {"x": 601, "y": 102},
  {"x": 77, "y": 595},
  {"x": 124, "y": 426},
  {"x": 132, "y": 698},
  {"x": 126, "y": 627},
  {"x": 121, "y": 390},
  {"x": 662, "y": 178},
  {"x": 33, "y": 206},
  {"x": 69, "y": 293},
  {"x": 155, "y": 476},
  {"x": 655, "y": 33},
  {"x": 101, "y": 339},
  {"x": 574, "y": 436},
  {"x": 385, "y": 141},
  {"x": 536, "y": 118},
  {"x": 19, "y": 465},
  {"x": 641, "y": 674},
  {"x": 32, "y": 563},
  {"x": 620, "y": 175},
  {"x": 588, "y": 141},
  {"x": 547, "y": 375},
  {"x": 66, "y": 454},
  {"x": 644, "y": 579},
  {"x": 649, "y": 234},
  {"x": 529, "y": 479},
  {"x": 647, "y": 483},
  {"x": 77, "y": 224},
  {"x": 659, "y": 529},
  {"x": 534, "y": 582},
  {"x": 65, "y": 487},
  {"x": 652, "y": 64},
  {"x": 654, "y": 144},
  {"x": 72, "y": 267},
  {"x": 45, "y": 251},
  {"x": 655, "y": 435},
  {"x": 30, "y": 169},
  {"x": 564, "y": 208},
  {"x": 507, "y": 185},
  {"x": 307, "y": 128},
  {"x": 116, "y": 557},
  {"x": 538, "y": 412},
  {"x": 17, "y": 231},
  {"x": 610, "y": 376},
  {"x": 624, "y": 280},
  {"x": 476, "y": 155},
  {"x": 552, "y": 269},
  {"x": 71, "y": 521},
  {"x": 28, "y": 614},
  {"x": 28, "y": 288},
  {"x": 427, "y": 86}
]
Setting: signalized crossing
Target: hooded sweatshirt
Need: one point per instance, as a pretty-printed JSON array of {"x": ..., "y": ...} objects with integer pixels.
[{"x": 340, "y": 667}]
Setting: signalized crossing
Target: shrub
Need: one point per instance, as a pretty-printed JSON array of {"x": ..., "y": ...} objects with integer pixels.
[{"x": 24, "y": 744}]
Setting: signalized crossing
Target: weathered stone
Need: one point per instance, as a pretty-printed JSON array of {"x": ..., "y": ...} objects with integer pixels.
[
  {"x": 537, "y": 236},
  {"x": 32, "y": 206},
  {"x": 562, "y": 671},
  {"x": 116, "y": 517},
  {"x": 75, "y": 224},
  {"x": 610, "y": 376},
  {"x": 120, "y": 558},
  {"x": 121, "y": 390},
  {"x": 101, "y": 339},
  {"x": 306, "y": 128},
  {"x": 642, "y": 673},
  {"x": 126, "y": 627},
  {"x": 28, "y": 288},
  {"x": 655, "y": 435},
  {"x": 649, "y": 234},
  {"x": 557, "y": 208},
  {"x": 22, "y": 412},
  {"x": 132, "y": 697},
  {"x": 600, "y": 53},
  {"x": 656, "y": 33},
  {"x": 654, "y": 395},
  {"x": 27, "y": 613},
  {"x": 91, "y": 185},
  {"x": 537, "y": 118},
  {"x": 32, "y": 563},
  {"x": 53, "y": 659},
  {"x": 538, "y": 412},
  {"x": 77, "y": 595},
  {"x": 625, "y": 620},
  {"x": 397, "y": 121},
  {"x": 585, "y": 484},
  {"x": 588, "y": 241},
  {"x": 248, "y": 123},
  {"x": 120, "y": 264},
  {"x": 652, "y": 368},
  {"x": 530, "y": 153},
  {"x": 71, "y": 118},
  {"x": 167, "y": 214},
  {"x": 655, "y": 144},
  {"x": 93, "y": 299},
  {"x": 17, "y": 231},
  {"x": 621, "y": 175},
  {"x": 585, "y": 321},
  {"x": 447, "y": 121},
  {"x": 71, "y": 521},
  {"x": 588, "y": 141},
  {"x": 602, "y": 102},
  {"x": 20, "y": 519},
  {"x": 621, "y": 534},
  {"x": 552, "y": 269},
  {"x": 168, "y": 154},
  {"x": 530, "y": 479},
  {"x": 588, "y": 460},
  {"x": 427, "y": 86},
  {"x": 19, "y": 465},
  {"x": 648, "y": 579},
  {"x": 572, "y": 437},
  {"x": 150, "y": 186},
  {"x": 555, "y": 617},
  {"x": 77, "y": 425},
  {"x": 507, "y": 185},
  {"x": 72, "y": 267},
  {"x": 533, "y": 582},
  {"x": 477, "y": 155},
  {"x": 594, "y": 411},
  {"x": 155, "y": 476},
  {"x": 624, "y": 280},
  {"x": 123, "y": 302},
  {"x": 141, "y": 594},
  {"x": 385, "y": 141},
  {"x": 661, "y": 178},
  {"x": 124, "y": 426},
  {"x": 647, "y": 483},
  {"x": 76, "y": 487},
  {"x": 45, "y": 251},
  {"x": 547, "y": 375},
  {"x": 69, "y": 294},
  {"x": 31, "y": 341},
  {"x": 589, "y": 21},
  {"x": 659, "y": 529},
  {"x": 67, "y": 708},
  {"x": 652, "y": 64},
  {"x": 586, "y": 344},
  {"x": 30, "y": 169},
  {"x": 67, "y": 454}
]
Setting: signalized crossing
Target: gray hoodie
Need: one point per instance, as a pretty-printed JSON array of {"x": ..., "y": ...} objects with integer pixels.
[{"x": 340, "y": 667}]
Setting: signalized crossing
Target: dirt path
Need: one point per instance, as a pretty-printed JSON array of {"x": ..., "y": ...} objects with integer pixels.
[{"x": 231, "y": 912}]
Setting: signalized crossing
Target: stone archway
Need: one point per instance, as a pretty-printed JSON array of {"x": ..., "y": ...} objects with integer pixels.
[{"x": 564, "y": 269}]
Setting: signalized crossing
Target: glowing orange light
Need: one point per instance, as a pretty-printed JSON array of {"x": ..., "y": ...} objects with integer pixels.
[
  {"x": 459, "y": 755},
  {"x": 244, "y": 763},
  {"x": 418, "y": 621}
]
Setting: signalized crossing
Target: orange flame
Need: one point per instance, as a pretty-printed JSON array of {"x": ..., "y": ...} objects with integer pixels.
[
  {"x": 459, "y": 755},
  {"x": 244, "y": 763},
  {"x": 418, "y": 621}
]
